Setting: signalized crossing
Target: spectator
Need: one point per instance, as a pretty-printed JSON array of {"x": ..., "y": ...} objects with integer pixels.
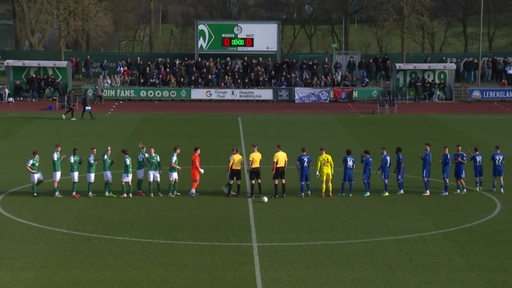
[
  {"x": 18, "y": 90},
  {"x": 97, "y": 95},
  {"x": 88, "y": 67}
]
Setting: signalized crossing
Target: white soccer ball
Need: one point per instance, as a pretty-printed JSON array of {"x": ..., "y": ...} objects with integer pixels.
[{"x": 264, "y": 199}]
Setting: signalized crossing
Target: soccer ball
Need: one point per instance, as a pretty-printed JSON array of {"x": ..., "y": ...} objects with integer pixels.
[{"x": 264, "y": 199}]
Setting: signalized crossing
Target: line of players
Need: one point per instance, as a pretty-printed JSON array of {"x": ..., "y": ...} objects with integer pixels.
[
  {"x": 150, "y": 160},
  {"x": 325, "y": 171}
]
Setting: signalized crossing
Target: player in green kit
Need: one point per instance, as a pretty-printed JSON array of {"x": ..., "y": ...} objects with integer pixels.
[
  {"x": 91, "y": 171},
  {"x": 141, "y": 164},
  {"x": 173, "y": 173},
  {"x": 57, "y": 169},
  {"x": 107, "y": 172},
  {"x": 154, "y": 168},
  {"x": 126, "y": 178},
  {"x": 36, "y": 177},
  {"x": 74, "y": 161}
]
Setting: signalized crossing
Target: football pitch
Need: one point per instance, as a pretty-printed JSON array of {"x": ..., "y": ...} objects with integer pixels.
[{"x": 213, "y": 241}]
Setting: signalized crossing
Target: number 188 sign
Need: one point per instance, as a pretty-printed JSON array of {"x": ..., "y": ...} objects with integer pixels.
[{"x": 221, "y": 36}]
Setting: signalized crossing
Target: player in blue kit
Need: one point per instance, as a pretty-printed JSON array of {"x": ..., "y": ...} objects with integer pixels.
[
  {"x": 498, "y": 159},
  {"x": 399, "y": 170},
  {"x": 425, "y": 169},
  {"x": 303, "y": 165},
  {"x": 366, "y": 160},
  {"x": 349, "y": 163},
  {"x": 478, "y": 168},
  {"x": 385, "y": 166},
  {"x": 445, "y": 169},
  {"x": 459, "y": 158}
]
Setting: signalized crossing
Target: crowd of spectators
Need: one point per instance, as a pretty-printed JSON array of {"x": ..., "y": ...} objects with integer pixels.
[{"x": 240, "y": 72}]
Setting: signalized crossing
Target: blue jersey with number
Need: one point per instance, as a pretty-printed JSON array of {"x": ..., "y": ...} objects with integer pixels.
[
  {"x": 348, "y": 168},
  {"x": 497, "y": 164},
  {"x": 385, "y": 166},
  {"x": 445, "y": 166},
  {"x": 477, "y": 164},
  {"x": 304, "y": 162},
  {"x": 460, "y": 165},
  {"x": 400, "y": 168},
  {"x": 426, "y": 161},
  {"x": 367, "y": 167}
]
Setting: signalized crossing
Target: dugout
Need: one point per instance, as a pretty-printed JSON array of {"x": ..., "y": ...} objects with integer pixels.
[
  {"x": 20, "y": 70},
  {"x": 421, "y": 81}
]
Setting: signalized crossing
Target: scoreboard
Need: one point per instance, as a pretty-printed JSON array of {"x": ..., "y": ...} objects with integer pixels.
[{"x": 229, "y": 37}]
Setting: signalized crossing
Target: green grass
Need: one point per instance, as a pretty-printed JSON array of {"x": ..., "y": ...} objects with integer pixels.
[{"x": 207, "y": 241}]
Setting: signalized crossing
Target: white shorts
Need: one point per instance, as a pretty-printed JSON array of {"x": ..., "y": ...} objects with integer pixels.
[
  {"x": 153, "y": 175},
  {"x": 56, "y": 175},
  {"x": 173, "y": 176},
  {"x": 90, "y": 177},
  {"x": 126, "y": 177},
  {"x": 140, "y": 174},
  {"x": 107, "y": 175},
  {"x": 34, "y": 177},
  {"x": 74, "y": 176}
]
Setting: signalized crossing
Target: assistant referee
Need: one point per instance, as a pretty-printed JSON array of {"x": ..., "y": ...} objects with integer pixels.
[{"x": 280, "y": 160}]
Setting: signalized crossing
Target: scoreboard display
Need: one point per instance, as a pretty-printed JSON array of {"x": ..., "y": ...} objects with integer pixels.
[{"x": 228, "y": 37}]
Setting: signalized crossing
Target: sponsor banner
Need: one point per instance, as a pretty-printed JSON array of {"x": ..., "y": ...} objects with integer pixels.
[
  {"x": 342, "y": 94},
  {"x": 143, "y": 93},
  {"x": 366, "y": 94},
  {"x": 312, "y": 95},
  {"x": 283, "y": 94},
  {"x": 232, "y": 94},
  {"x": 490, "y": 93}
]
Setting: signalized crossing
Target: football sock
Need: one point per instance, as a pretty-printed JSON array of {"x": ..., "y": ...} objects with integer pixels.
[
  {"x": 275, "y": 189},
  {"x": 105, "y": 187},
  {"x": 385, "y": 187},
  {"x": 73, "y": 187},
  {"x": 481, "y": 184},
  {"x": 34, "y": 189},
  {"x": 252, "y": 188},
  {"x": 109, "y": 186},
  {"x": 427, "y": 185},
  {"x": 343, "y": 188},
  {"x": 89, "y": 187},
  {"x": 308, "y": 186},
  {"x": 150, "y": 186},
  {"x": 259, "y": 187},
  {"x": 445, "y": 187},
  {"x": 283, "y": 186},
  {"x": 237, "y": 189},
  {"x": 458, "y": 186},
  {"x": 130, "y": 188},
  {"x": 124, "y": 188},
  {"x": 302, "y": 187},
  {"x": 158, "y": 187},
  {"x": 350, "y": 188},
  {"x": 55, "y": 189},
  {"x": 139, "y": 184},
  {"x": 323, "y": 188},
  {"x": 330, "y": 187}
]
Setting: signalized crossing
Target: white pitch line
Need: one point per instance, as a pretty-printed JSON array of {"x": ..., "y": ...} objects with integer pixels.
[{"x": 257, "y": 270}]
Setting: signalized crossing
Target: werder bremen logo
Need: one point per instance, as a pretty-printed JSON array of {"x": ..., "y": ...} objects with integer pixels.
[{"x": 205, "y": 37}]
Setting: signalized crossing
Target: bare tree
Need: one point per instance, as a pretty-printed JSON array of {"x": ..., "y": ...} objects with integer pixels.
[{"x": 33, "y": 21}]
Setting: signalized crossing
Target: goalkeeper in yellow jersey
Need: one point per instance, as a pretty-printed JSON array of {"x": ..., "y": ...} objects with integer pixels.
[{"x": 325, "y": 170}]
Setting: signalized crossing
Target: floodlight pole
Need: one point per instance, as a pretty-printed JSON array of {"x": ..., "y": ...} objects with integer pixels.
[{"x": 480, "y": 48}]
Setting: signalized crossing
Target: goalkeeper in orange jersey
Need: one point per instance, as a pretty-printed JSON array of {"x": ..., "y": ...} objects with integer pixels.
[{"x": 325, "y": 170}]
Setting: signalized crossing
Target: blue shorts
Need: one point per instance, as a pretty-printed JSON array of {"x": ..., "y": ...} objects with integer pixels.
[
  {"x": 497, "y": 171},
  {"x": 445, "y": 172},
  {"x": 479, "y": 172},
  {"x": 348, "y": 176},
  {"x": 400, "y": 176},
  {"x": 425, "y": 173},
  {"x": 385, "y": 174},
  {"x": 460, "y": 174},
  {"x": 304, "y": 176}
]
